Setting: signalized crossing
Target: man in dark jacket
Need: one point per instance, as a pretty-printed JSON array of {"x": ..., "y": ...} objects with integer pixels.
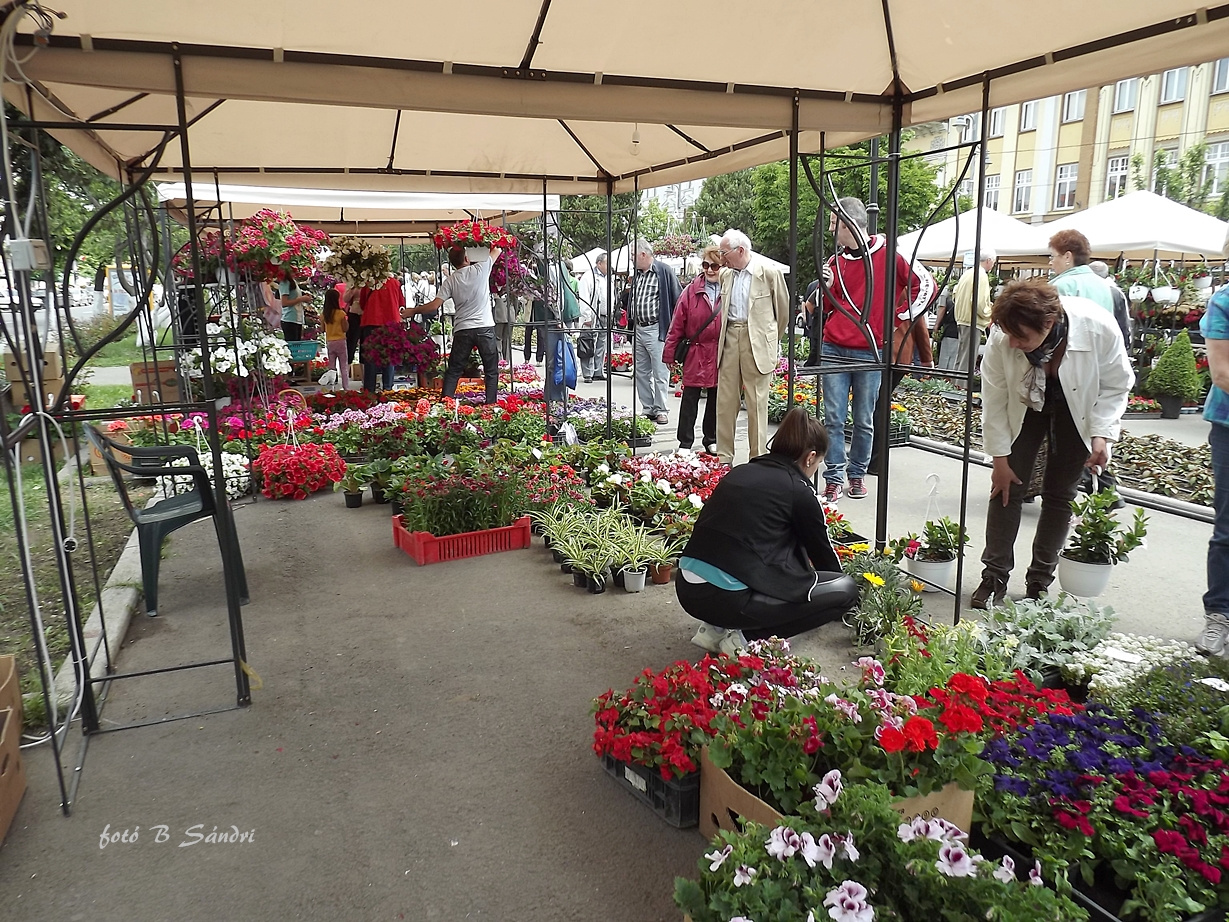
[{"x": 654, "y": 291}]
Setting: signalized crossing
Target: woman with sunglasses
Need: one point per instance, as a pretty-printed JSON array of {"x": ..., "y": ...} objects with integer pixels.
[{"x": 697, "y": 317}]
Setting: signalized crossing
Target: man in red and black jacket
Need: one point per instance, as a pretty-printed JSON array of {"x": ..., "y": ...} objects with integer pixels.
[{"x": 846, "y": 277}]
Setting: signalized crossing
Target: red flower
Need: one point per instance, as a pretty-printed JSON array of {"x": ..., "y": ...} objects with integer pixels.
[
  {"x": 891, "y": 739},
  {"x": 919, "y": 734}
]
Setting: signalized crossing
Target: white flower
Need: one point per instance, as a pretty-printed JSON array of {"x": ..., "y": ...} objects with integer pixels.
[
  {"x": 783, "y": 843},
  {"x": 848, "y": 903},
  {"x": 828, "y": 789},
  {"x": 744, "y": 875},
  {"x": 663, "y": 485},
  {"x": 871, "y": 669},
  {"x": 1034, "y": 876},
  {"x": 846, "y": 842},
  {"x": 646, "y": 476},
  {"x": 821, "y": 851},
  {"x": 695, "y": 500},
  {"x": 601, "y": 468},
  {"x": 1006, "y": 872},
  {"x": 954, "y": 861},
  {"x": 717, "y": 857}
]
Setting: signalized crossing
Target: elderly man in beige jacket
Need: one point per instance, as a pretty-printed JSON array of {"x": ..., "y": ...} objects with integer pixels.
[
  {"x": 754, "y": 317},
  {"x": 963, "y": 297}
]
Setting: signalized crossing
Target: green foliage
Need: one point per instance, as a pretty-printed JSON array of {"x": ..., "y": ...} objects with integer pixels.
[
  {"x": 582, "y": 220},
  {"x": 885, "y": 598},
  {"x": 918, "y": 196},
  {"x": 919, "y": 657},
  {"x": 727, "y": 201},
  {"x": 1031, "y": 635},
  {"x": 1175, "y": 373},
  {"x": 1098, "y": 536}
]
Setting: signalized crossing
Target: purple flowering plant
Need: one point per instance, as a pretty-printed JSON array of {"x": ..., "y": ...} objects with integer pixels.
[{"x": 848, "y": 856}]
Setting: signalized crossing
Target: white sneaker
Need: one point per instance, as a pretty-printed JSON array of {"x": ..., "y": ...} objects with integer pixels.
[
  {"x": 1215, "y": 634},
  {"x": 709, "y": 638},
  {"x": 733, "y": 643}
]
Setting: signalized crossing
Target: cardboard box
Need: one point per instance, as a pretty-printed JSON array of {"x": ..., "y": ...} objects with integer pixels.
[
  {"x": 20, "y": 393},
  {"x": 98, "y": 465},
  {"x": 12, "y": 771},
  {"x": 31, "y": 451},
  {"x": 726, "y": 804},
  {"x": 356, "y": 372},
  {"x": 155, "y": 382},
  {"x": 15, "y": 362}
]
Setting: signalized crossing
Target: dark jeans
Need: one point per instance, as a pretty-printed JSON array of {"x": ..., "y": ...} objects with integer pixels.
[
  {"x": 292, "y": 331},
  {"x": 352, "y": 336},
  {"x": 463, "y": 344},
  {"x": 758, "y": 615},
  {"x": 1216, "y": 599},
  {"x": 687, "y": 416},
  {"x": 1064, "y": 465}
]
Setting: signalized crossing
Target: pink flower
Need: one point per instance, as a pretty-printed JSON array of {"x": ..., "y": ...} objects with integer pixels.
[
  {"x": 783, "y": 843},
  {"x": 954, "y": 861},
  {"x": 1006, "y": 872},
  {"x": 1034, "y": 876},
  {"x": 821, "y": 851},
  {"x": 744, "y": 875},
  {"x": 872, "y": 670},
  {"x": 828, "y": 790}
]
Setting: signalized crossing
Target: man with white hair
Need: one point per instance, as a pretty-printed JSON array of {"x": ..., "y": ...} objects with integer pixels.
[
  {"x": 1122, "y": 311},
  {"x": 593, "y": 316},
  {"x": 755, "y": 318},
  {"x": 860, "y": 261},
  {"x": 655, "y": 290},
  {"x": 963, "y": 296}
]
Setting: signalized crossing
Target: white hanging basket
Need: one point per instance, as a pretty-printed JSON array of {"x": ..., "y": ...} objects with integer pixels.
[
  {"x": 1204, "y": 281},
  {"x": 937, "y": 574},
  {"x": 1086, "y": 580},
  {"x": 1166, "y": 294},
  {"x": 1138, "y": 292}
]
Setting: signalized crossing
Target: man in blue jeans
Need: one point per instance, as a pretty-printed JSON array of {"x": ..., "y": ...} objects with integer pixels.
[
  {"x": 469, "y": 287},
  {"x": 1215, "y": 328},
  {"x": 845, "y": 282}
]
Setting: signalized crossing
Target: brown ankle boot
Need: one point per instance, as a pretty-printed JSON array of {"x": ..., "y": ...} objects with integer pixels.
[{"x": 990, "y": 592}]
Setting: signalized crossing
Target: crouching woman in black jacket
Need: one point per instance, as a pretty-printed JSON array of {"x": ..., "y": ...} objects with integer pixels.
[{"x": 759, "y": 562}]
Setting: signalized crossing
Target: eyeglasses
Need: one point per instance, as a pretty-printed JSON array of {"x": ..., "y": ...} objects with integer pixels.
[
  {"x": 707, "y": 265},
  {"x": 724, "y": 253}
]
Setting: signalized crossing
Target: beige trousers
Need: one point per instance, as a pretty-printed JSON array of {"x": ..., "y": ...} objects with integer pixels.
[{"x": 739, "y": 375}]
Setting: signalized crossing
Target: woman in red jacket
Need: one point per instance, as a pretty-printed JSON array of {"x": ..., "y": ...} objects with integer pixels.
[{"x": 697, "y": 317}]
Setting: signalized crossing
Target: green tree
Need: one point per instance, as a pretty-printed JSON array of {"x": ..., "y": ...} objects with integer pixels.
[
  {"x": 1184, "y": 181},
  {"x": 918, "y": 197},
  {"x": 654, "y": 221},
  {"x": 727, "y": 201},
  {"x": 582, "y": 220}
]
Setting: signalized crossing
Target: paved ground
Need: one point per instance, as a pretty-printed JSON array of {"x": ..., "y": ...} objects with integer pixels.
[{"x": 420, "y": 749}]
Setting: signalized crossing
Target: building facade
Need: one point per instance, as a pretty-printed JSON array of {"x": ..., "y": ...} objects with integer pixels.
[{"x": 1048, "y": 157}]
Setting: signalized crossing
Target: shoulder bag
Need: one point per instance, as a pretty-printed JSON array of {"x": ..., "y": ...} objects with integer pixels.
[{"x": 684, "y": 344}]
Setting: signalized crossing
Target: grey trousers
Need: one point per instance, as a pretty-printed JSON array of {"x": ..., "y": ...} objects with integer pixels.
[
  {"x": 966, "y": 343},
  {"x": 1064, "y": 465}
]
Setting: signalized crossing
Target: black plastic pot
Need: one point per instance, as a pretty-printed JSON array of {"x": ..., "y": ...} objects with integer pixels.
[
  {"x": 1171, "y": 406},
  {"x": 558, "y": 555},
  {"x": 354, "y": 500},
  {"x": 398, "y": 507},
  {"x": 596, "y": 584},
  {"x": 579, "y": 580},
  {"x": 565, "y": 567},
  {"x": 618, "y": 578}
]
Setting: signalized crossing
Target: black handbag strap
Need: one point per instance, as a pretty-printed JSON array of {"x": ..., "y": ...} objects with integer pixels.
[{"x": 705, "y": 324}]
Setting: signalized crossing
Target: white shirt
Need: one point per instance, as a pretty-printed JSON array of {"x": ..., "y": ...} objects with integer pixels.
[{"x": 740, "y": 295}]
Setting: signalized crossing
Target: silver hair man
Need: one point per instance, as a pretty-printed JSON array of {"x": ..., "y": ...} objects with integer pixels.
[
  {"x": 856, "y": 211},
  {"x": 643, "y": 246},
  {"x": 735, "y": 239}
]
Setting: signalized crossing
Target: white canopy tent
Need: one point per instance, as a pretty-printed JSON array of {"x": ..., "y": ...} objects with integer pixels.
[
  {"x": 1143, "y": 225},
  {"x": 557, "y": 95},
  {"x": 365, "y": 213},
  {"x": 1007, "y": 236}
]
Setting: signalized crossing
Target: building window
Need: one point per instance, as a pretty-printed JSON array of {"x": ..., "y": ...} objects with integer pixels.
[
  {"x": 1126, "y": 92},
  {"x": 965, "y": 189},
  {"x": 970, "y": 129},
  {"x": 1220, "y": 76},
  {"x": 1024, "y": 191},
  {"x": 1173, "y": 85},
  {"x": 1028, "y": 116},
  {"x": 1073, "y": 106},
  {"x": 997, "y": 118},
  {"x": 1064, "y": 186},
  {"x": 1116, "y": 177},
  {"x": 1216, "y": 167},
  {"x": 990, "y": 199}
]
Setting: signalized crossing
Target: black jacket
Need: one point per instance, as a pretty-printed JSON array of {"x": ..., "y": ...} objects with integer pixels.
[{"x": 763, "y": 525}]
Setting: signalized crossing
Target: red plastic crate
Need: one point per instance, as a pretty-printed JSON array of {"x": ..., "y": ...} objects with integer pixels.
[{"x": 426, "y": 548}]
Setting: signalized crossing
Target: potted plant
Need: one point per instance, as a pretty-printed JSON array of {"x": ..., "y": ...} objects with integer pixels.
[
  {"x": 1042, "y": 636},
  {"x": 379, "y": 473},
  {"x": 636, "y": 553},
  {"x": 352, "y": 482},
  {"x": 1174, "y": 379},
  {"x": 1098, "y": 542},
  {"x": 932, "y": 557},
  {"x": 662, "y": 553}
]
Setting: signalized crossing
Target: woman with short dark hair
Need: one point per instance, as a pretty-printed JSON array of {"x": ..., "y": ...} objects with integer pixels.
[
  {"x": 759, "y": 562},
  {"x": 1054, "y": 365}
]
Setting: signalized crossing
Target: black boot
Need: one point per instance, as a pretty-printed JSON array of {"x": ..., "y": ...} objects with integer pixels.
[{"x": 991, "y": 591}]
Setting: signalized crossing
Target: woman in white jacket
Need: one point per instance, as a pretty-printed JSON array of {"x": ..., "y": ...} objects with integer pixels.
[{"x": 1056, "y": 366}]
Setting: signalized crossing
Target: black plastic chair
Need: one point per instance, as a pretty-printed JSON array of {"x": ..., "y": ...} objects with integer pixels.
[{"x": 155, "y": 522}]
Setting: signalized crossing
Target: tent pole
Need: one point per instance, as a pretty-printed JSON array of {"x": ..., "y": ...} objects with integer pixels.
[
  {"x": 975, "y": 336},
  {"x": 608, "y": 372},
  {"x": 792, "y": 281}
]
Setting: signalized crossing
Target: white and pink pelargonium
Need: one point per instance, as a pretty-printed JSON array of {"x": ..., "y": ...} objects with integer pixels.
[{"x": 847, "y": 903}]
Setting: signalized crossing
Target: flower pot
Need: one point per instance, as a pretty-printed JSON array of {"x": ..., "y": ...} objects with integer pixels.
[
  {"x": 1085, "y": 580},
  {"x": 618, "y": 578},
  {"x": 633, "y": 580},
  {"x": 660, "y": 573},
  {"x": 477, "y": 254},
  {"x": 558, "y": 555},
  {"x": 378, "y": 494},
  {"x": 580, "y": 580},
  {"x": 1171, "y": 406},
  {"x": 935, "y": 574},
  {"x": 1138, "y": 292},
  {"x": 596, "y": 584},
  {"x": 1165, "y": 294},
  {"x": 354, "y": 500},
  {"x": 565, "y": 567},
  {"x": 398, "y": 507},
  {"x": 1204, "y": 281}
]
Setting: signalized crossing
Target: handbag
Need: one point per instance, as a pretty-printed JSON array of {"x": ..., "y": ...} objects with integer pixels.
[
  {"x": 586, "y": 345},
  {"x": 565, "y": 363},
  {"x": 684, "y": 344}
]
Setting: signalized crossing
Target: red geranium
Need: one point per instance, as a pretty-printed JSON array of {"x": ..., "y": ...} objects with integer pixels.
[{"x": 297, "y": 470}]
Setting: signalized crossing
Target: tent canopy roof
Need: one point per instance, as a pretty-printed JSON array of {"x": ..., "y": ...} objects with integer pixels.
[
  {"x": 1141, "y": 225},
  {"x": 396, "y": 95},
  {"x": 1007, "y": 236},
  {"x": 371, "y": 214}
]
